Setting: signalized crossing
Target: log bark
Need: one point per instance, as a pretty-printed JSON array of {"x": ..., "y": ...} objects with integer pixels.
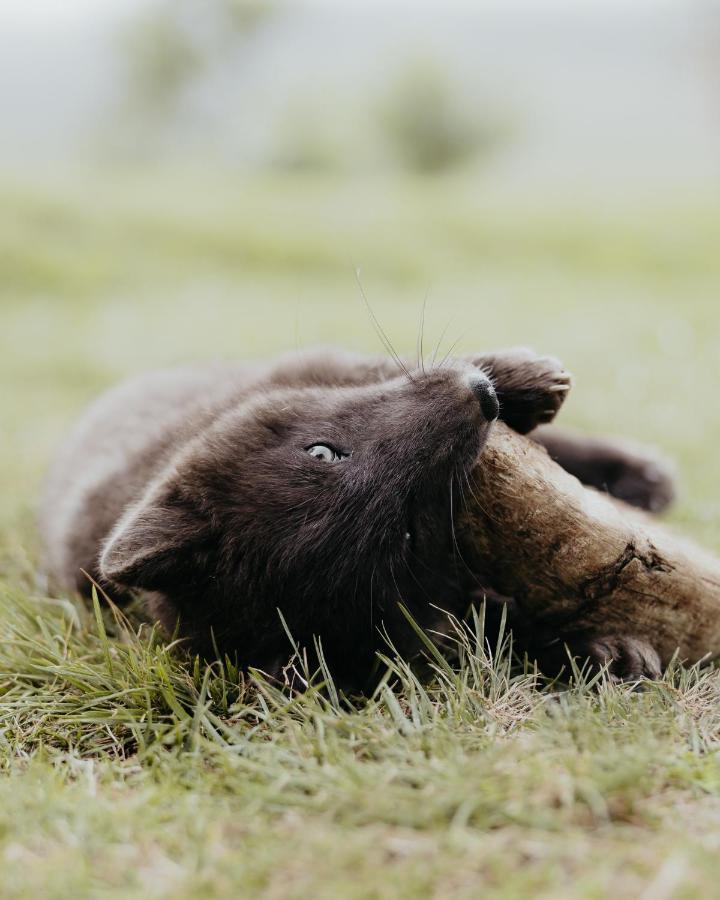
[{"x": 573, "y": 558}]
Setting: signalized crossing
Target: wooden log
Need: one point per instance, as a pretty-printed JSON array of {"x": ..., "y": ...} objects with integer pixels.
[{"x": 573, "y": 558}]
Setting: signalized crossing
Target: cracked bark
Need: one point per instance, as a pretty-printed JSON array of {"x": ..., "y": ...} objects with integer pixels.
[{"x": 576, "y": 559}]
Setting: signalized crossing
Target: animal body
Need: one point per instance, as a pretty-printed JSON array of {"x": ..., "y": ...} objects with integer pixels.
[{"x": 323, "y": 485}]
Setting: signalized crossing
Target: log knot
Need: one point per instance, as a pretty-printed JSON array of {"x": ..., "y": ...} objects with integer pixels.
[{"x": 604, "y": 582}]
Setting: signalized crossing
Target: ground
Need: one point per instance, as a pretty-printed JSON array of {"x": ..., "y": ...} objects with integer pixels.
[{"x": 130, "y": 770}]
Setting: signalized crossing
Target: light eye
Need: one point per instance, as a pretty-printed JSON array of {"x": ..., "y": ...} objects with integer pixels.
[{"x": 325, "y": 453}]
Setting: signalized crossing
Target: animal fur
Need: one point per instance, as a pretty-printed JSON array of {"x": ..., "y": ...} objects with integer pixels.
[{"x": 198, "y": 487}]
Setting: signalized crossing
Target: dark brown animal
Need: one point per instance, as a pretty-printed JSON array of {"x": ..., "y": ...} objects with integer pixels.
[{"x": 323, "y": 485}]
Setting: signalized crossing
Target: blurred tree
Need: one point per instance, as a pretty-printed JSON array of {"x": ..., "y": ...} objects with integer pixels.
[
  {"x": 167, "y": 49},
  {"x": 429, "y": 130},
  {"x": 163, "y": 59}
]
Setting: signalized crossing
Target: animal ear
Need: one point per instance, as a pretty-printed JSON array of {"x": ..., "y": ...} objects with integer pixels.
[{"x": 158, "y": 543}]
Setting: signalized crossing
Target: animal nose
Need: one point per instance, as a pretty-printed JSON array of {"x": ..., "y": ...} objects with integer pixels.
[{"x": 484, "y": 392}]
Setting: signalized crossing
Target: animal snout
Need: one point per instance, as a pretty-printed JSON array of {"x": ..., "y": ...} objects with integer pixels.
[{"x": 484, "y": 392}]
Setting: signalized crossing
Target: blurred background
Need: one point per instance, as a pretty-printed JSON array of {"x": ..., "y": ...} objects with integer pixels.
[{"x": 184, "y": 179}]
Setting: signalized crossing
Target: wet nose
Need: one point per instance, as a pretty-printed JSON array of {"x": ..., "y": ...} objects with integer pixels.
[{"x": 484, "y": 392}]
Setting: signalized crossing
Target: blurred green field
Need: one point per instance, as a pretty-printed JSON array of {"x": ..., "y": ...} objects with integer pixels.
[{"x": 489, "y": 786}]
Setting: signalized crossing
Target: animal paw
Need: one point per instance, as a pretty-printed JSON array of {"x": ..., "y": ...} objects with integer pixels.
[
  {"x": 531, "y": 389},
  {"x": 624, "y": 658},
  {"x": 642, "y": 480}
]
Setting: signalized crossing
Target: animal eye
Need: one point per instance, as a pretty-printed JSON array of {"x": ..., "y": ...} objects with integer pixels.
[{"x": 325, "y": 453}]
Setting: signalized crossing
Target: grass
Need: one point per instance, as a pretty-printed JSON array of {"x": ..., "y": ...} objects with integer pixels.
[{"x": 130, "y": 770}]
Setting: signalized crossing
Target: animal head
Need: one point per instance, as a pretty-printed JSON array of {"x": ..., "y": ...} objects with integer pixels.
[{"x": 328, "y": 503}]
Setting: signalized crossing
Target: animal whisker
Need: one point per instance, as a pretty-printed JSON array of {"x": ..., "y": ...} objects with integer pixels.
[
  {"x": 440, "y": 340},
  {"x": 421, "y": 334},
  {"x": 380, "y": 331},
  {"x": 456, "y": 545},
  {"x": 449, "y": 353}
]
